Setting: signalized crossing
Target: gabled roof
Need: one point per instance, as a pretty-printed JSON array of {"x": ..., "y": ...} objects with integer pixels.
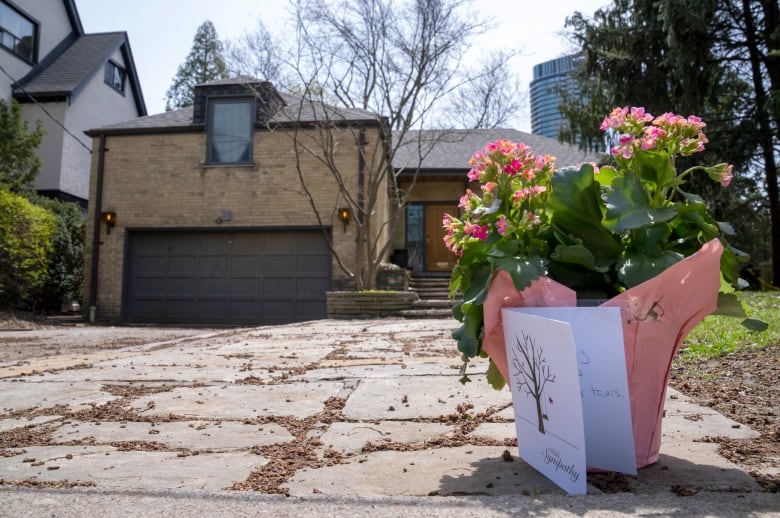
[
  {"x": 63, "y": 74},
  {"x": 450, "y": 150}
]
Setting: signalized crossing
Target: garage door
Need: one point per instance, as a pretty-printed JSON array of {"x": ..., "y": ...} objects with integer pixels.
[{"x": 225, "y": 278}]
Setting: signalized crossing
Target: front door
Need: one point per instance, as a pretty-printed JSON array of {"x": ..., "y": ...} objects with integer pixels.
[{"x": 437, "y": 257}]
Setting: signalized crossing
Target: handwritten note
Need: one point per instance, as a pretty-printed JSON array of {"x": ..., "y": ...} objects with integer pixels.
[{"x": 544, "y": 380}]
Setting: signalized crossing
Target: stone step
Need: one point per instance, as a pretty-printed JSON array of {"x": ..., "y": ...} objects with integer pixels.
[
  {"x": 432, "y": 303},
  {"x": 65, "y": 319},
  {"x": 426, "y": 313},
  {"x": 432, "y": 293}
]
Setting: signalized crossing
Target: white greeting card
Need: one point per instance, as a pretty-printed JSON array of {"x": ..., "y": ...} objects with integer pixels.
[
  {"x": 545, "y": 388},
  {"x": 600, "y": 376}
]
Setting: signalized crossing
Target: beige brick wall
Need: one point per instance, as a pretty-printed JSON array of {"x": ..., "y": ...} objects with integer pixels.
[{"x": 160, "y": 181}]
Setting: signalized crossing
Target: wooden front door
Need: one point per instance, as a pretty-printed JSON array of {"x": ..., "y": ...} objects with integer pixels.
[{"x": 437, "y": 257}]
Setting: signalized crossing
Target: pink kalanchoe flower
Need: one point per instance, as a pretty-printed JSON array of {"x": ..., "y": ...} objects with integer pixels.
[
  {"x": 479, "y": 231},
  {"x": 727, "y": 175},
  {"x": 615, "y": 119},
  {"x": 696, "y": 122},
  {"x": 489, "y": 186},
  {"x": 639, "y": 114},
  {"x": 538, "y": 189},
  {"x": 520, "y": 194},
  {"x": 466, "y": 199},
  {"x": 512, "y": 167},
  {"x": 502, "y": 225},
  {"x": 473, "y": 175}
]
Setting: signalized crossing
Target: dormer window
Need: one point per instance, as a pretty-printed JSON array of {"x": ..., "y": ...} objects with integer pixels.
[
  {"x": 230, "y": 130},
  {"x": 115, "y": 77},
  {"x": 18, "y": 34}
]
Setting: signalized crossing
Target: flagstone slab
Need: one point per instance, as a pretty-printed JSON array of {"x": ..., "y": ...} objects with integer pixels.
[
  {"x": 24, "y": 395},
  {"x": 14, "y": 423},
  {"x": 241, "y": 401},
  {"x": 112, "y": 469},
  {"x": 685, "y": 419},
  {"x": 150, "y": 373},
  {"x": 496, "y": 431},
  {"x": 428, "y": 397},
  {"x": 189, "y": 435},
  {"x": 466, "y": 470},
  {"x": 353, "y": 437},
  {"x": 371, "y": 368}
]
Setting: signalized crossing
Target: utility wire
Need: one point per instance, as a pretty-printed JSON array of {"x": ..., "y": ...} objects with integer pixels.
[{"x": 42, "y": 107}]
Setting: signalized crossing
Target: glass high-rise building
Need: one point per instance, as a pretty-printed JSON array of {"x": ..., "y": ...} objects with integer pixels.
[{"x": 549, "y": 77}]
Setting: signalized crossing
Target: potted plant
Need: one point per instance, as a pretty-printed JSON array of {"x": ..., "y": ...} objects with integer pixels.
[{"x": 535, "y": 235}]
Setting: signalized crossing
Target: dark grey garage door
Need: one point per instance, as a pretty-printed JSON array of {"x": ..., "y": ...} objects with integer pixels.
[{"x": 225, "y": 277}]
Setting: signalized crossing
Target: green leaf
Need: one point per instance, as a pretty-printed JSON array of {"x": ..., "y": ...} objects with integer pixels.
[
  {"x": 476, "y": 290},
  {"x": 575, "y": 254},
  {"x": 754, "y": 324},
  {"x": 575, "y": 202},
  {"x": 524, "y": 270},
  {"x": 731, "y": 262},
  {"x": 655, "y": 167},
  {"x": 628, "y": 205},
  {"x": 697, "y": 214},
  {"x": 691, "y": 197},
  {"x": 468, "y": 334},
  {"x": 635, "y": 269},
  {"x": 729, "y": 306},
  {"x": 494, "y": 376},
  {"x": 651, "y": 239}
]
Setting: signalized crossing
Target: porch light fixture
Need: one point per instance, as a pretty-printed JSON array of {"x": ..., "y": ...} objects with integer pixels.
[
  {"x": 109, "y": 218},
  {"x": 345, "y": 215}
]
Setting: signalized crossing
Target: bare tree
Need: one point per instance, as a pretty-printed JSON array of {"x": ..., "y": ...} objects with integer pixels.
[
  {"x": 259, "y": 54},
  {"x": 491, "y": 97},
  {"x": 532, "y": 371},
  {"x": 392, "y": 64}
]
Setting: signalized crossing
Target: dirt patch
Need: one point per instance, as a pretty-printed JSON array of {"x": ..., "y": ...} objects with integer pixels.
[
  {"x": 286, "y": 459},
  {"x": 744, "y": 387}
]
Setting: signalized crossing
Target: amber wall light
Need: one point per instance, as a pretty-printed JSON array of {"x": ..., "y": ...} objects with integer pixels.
[
  {"x": 109, "y": 218},
  {"x": 345, "y": 215}
]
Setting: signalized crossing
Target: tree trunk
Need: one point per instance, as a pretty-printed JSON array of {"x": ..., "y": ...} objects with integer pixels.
[
  {"x": 765, "y": 128},
  {"x": 539, "y": 413}
]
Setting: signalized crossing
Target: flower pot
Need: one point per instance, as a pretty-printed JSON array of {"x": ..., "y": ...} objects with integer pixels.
[{"x": 656, "y": 316}]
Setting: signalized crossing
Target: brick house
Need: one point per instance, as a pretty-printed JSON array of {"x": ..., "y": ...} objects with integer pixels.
[
  {"x": 200, "y": 215},
  {"x": 69, "y": 80}
]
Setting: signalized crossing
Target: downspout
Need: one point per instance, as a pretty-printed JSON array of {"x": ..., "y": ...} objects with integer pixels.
[
  {"x": 98, "y": 204},
  {"x": 362, "y": 237},
  {"x": 361, "y": 172}
]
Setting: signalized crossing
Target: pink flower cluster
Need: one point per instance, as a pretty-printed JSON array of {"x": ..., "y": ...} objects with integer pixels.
[
  {"x": 639, "y": 130},
  {"x": 513, "y": 182}
]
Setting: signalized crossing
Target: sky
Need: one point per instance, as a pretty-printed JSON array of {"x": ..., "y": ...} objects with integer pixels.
[{"x": 161, "y": 32}]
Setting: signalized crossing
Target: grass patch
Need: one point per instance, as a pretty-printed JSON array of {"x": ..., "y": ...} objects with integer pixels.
[{"x": 718, "y": 335}]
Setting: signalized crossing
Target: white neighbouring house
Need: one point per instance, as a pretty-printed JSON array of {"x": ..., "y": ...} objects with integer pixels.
[{"x": 69, "y": 80}]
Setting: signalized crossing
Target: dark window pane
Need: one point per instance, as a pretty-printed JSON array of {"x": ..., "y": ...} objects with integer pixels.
[
  {"x": 230, "y": 131},
  {"x": 17, "y": 33},
  {"x": 115, "y": 76}
]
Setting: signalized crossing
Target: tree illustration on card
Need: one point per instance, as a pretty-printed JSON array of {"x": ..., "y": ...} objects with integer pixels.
[{"x": 532, "y": 371}]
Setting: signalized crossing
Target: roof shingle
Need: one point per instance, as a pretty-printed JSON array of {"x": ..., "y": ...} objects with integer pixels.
[
  {"x": 68, "y": 71},
  {"x": 452, "y": 149}
]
